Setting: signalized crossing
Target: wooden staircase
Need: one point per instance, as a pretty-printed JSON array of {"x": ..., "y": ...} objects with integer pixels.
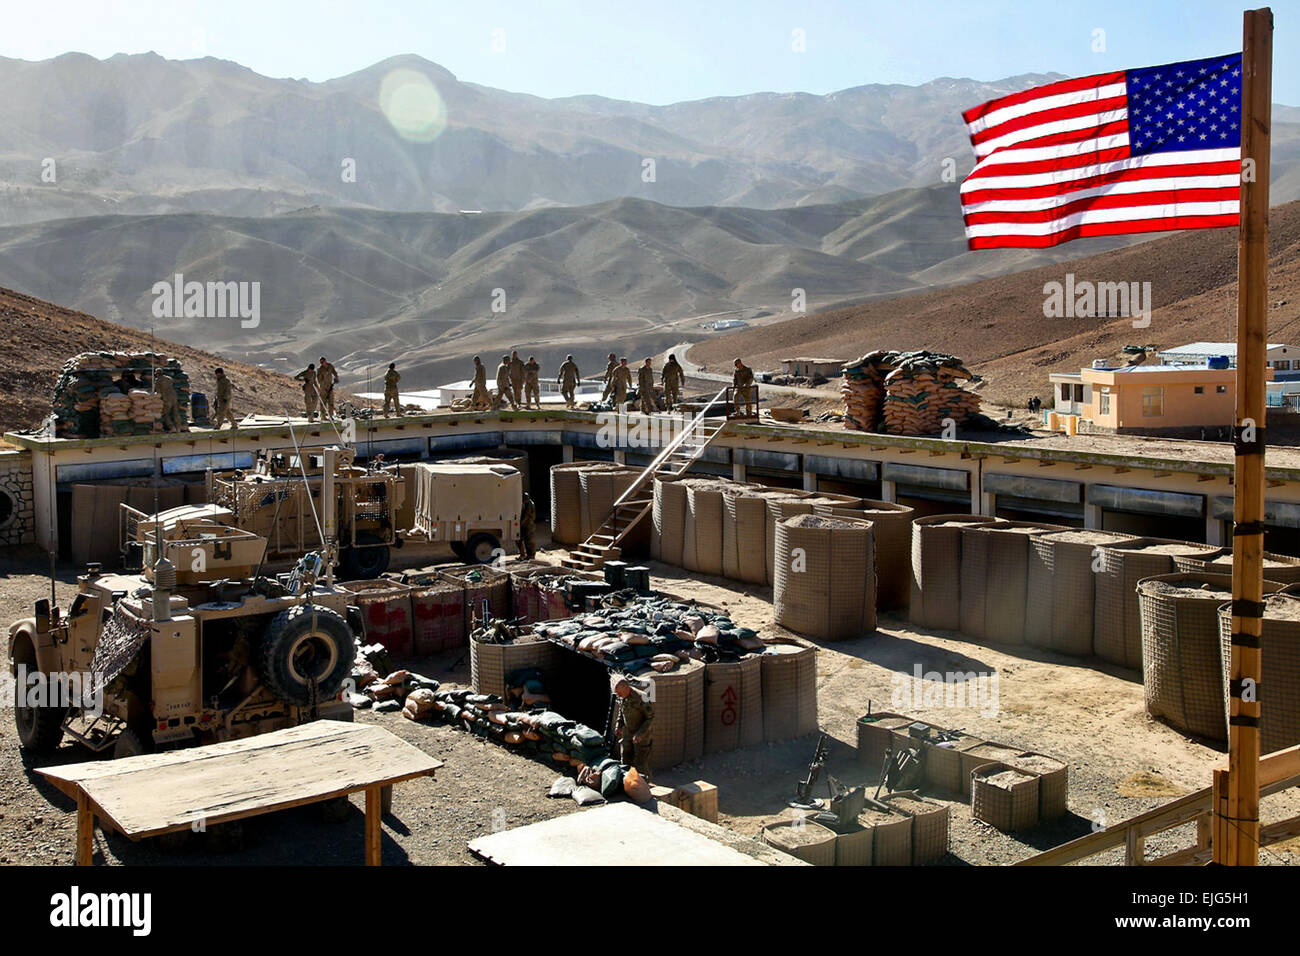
[{"x": 635, "y": 503}]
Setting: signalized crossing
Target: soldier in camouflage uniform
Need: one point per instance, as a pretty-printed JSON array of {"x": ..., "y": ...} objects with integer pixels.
[
  {"x": 326, "y": 378},
  {"x": 610, "y": 369},
  {"x": 527, "y": 525},
  {"x": 742, "y": 381},
  {"x": 645, "y": 388},
  {"x": 568, "y": 381},
  {"x": 222, "y": 403},
  {"x": 633, "y": 724},
  {"x": 674, "y": 376},
  {"x": 505, "y": 388},
  {"x": 517, "y": 378},
  {"x": 532, "y": 387},
  {"x": 621, "y": 381},
  {"x": 482, "y": 398},
  {"x": 172, "y": 420},
  {"x": 308, "y": 378},
  {"x": 392, "y": 398}
]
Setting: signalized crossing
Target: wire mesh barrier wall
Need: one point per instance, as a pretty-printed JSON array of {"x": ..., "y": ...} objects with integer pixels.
[
  {"x": 1060, "y": 590},
  {"x": 1279, "y": 718},
  {"x": 892, "y": 524},
  {"x": 936, "y": 569},
  {"x": 825, "y": 577}
]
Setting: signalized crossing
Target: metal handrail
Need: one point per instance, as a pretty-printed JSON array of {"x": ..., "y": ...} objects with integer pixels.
[{"x": 666, "y": 453}]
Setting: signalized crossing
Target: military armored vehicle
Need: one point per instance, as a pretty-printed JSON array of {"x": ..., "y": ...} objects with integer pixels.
[{"x": 200, "y": 647}]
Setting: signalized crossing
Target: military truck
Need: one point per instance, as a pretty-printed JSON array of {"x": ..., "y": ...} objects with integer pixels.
[
  {"x": 198, "y": 648},
  {"x": 473, "y": 508},
  {"x": 280, "y": 500}
]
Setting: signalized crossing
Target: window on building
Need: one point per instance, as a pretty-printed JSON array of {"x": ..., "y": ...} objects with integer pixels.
[
  {"x": 1065, "y": 393},
  {"x": 1153, "y": 402},
  {"x": 1078, "y": 393},
  {"x": 1198, "y": 389},
  {"x": 1220, "y": 389},
  {"x": 1283, "y": 365},
  {"x": 1103, "y": 402}
]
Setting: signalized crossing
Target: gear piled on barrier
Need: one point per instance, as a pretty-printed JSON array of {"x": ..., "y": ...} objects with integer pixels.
[
  {"x": 96, "y": 394},
  {"x": 906, "y": 393},
  {"x": 635, "y": 633}
]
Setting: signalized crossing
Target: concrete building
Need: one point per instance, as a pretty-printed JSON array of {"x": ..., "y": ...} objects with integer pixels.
[
  {"x": 1102, "y": 482},
  {"x": 1186, "y": 401},
  {"x": 1283, "y": 359},
  {"x": 808, "y": 367},
  {"x": 1071, "y": 395}
]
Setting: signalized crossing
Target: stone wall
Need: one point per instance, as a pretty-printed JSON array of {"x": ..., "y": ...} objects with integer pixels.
[{"x": 17, "y": 505}]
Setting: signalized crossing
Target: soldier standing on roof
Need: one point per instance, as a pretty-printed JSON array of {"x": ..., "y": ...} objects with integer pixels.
[
  {"x": 171, "y": 410},
  {"x": 326, "y": 378},
  {"x": 633, "y": 723},
  {"x": 610, "y": 369},
  {"x": 622, "y": 381},
  {"x": 517, "y": 378},
  {"x": 742, "y": 382},
  {"x": 532, "y": 388},
  {"x": 645, "y": 388},
  {"x": 308, "y": 378},
  {"x": 392, "y": 398},
  {"x": 222, "y": 403},
  {"x": 481, "y": 397},
  {"x": 674, "y": 376},
  {"x": 505, "y": 388},
  {"x": 568, "y": 381}
]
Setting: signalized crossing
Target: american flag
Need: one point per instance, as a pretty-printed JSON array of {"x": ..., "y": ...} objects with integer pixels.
[{"x": 1132, "y": 151}]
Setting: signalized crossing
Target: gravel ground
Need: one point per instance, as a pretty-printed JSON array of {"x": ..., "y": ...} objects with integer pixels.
[{"x": 1090, "y": 715}]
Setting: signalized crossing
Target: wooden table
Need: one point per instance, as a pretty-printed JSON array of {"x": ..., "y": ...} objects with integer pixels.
[{"x": 169, "y": 792}]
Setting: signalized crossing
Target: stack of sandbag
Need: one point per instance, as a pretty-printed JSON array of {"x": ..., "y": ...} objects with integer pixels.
[
  {"x": 86, "y": 379},
  {"x": 863, "y": 391},
  {"x": 906, "y": 393},
  {"x": 114, "y": 413},
  {"x": 146, "y": 411}
]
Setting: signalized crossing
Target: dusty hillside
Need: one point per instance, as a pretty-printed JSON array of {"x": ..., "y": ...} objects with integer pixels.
[
  {"x": 998, "y": 327},
  {"x": 37, "y": 337}
]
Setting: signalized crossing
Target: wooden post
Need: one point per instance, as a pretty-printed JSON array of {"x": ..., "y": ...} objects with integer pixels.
[
  {"x": 374, "y": 826},
  {"x": 1240, "y": 825}
]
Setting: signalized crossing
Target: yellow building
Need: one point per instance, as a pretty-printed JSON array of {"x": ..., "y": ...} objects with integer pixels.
[{"x": 1192, "y": 401}]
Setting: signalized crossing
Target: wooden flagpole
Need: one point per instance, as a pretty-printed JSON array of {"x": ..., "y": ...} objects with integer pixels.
[{"x": 1236, "y": 830}]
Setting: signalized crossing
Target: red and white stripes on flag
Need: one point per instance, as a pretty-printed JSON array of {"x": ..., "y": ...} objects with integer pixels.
[{"x": 1131, "y": 151}]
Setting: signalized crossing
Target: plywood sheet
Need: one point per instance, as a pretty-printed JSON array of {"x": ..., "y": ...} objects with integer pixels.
[{"x": 616, "y": 834}]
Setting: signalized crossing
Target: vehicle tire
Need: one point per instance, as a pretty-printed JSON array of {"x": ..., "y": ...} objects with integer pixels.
[
  {"x": 458, "y": 549},
  {"x": 132, "y": 742},
  {"x": 482, "y": 548},
  {"x": 40, "y": 729},
  {"x": 368, "y": 561},
  {"x": 302, "y": 643}
]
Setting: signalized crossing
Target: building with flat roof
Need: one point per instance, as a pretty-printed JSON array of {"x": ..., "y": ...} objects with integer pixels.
[
  {"x": 1190, "y": 401},
  {"x": 1283, "y": 359}
]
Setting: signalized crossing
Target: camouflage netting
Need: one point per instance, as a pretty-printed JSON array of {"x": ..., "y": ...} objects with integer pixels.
[{"x": 119, "y": 643}]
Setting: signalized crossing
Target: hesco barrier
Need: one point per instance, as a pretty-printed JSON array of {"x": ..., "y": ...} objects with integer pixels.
[
  {"x": 437, "y": 617},
  {"x": 1182, "y": 662},
  {"x": 892, "y": 526},
  {"x": 809, "y": 841},
  {"x": 982, "y": 755},
  {"x": 1281, "y": 568},
  {"x": 1004, "y": 798},
  {"x": 929, "y": 821},
  {"x": 853, "y": 845},
  {"x": 1053, "y": 782},
  {"x": 704, "y": 507},
  {"x": 733, "y": 704},
  {"x": 386, "y": 610},
  {"x": 566, "y": 503},
  {"x": 1005, "y": 547},
  {"x": 786, "y": 505},
  {"x": 874, "y": 735},
  {"x": 490, "y": 663},
  {"x": 1116, "y": 623},
  {"x": 524, "y": 599},
  {"x": 936, "y": 569},
  {"x": 1060, "y": 590},
  {"x": 679, "y": 715},
  {"x": 492, "y": 587},
  {"x": 1279, "y": 720},
  {"x": 748, "y": 513},
  {"x": 670, "y": 519},
  {"x": 825, "y": 577},
  {"x": 891, "y": 837},
  {"x": 789, "y": 690},
  {"x": 551, "y": 600},
  {"x": 600, "y": 487}
]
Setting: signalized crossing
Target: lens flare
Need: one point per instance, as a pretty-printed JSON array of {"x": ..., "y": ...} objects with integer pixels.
[{"x": 413, "y": 105}]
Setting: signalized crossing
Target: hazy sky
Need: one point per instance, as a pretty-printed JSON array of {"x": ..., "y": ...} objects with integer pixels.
[{"x": 662, "y": 51}]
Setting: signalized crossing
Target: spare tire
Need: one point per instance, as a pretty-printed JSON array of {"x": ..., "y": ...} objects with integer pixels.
[{"x": 305, "y": 644}]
